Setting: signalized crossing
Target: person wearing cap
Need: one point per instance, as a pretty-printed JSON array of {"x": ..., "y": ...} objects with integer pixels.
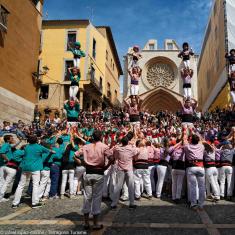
[
  {"x": 77, "y": 54},
  {"x": 75, "y": 77}
]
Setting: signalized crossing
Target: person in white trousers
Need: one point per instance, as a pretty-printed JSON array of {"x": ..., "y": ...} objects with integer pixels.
[
  {"x": 10, "y": 170},
  {"x": 211, "y": 171},
  {"x": 135, "y": 74},
  {"x": 31, "y": 166},
  {"x": 44, "y": 186},
  {"x": 226, "y": 170},
  {"x": 153, "y": 160},
  {"x": 124, "y": 156},
  {"x": 95, "y": 157},
  {"x": 162, "y": 167},
  {"x": 75, "y": 76},
  {"x": 195, "y": 172},
  {"x": 141, "y": 171},
  {"x": 79, "y": 171},
  {"x": 178, "y": 170}
]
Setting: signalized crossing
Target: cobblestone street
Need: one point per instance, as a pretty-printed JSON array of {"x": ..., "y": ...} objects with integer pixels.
[{"x": 150, "y": 217}]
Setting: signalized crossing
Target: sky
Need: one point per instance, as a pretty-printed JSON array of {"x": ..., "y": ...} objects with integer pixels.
[{"x": 136, "y": 21}]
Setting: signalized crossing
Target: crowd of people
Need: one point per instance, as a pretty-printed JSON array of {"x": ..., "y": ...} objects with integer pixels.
[
  {"x": 125, "y": 154},
  {"x": 110, "y": 153}
]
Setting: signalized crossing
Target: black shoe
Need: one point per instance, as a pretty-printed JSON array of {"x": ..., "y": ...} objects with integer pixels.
[
  {"x": 229, "y": 198},
  {"x": 132, "y": 207},
  {"x": 221, "y": 198},
  {"x": 14, "y": 206},
  {"x": 113, "y": 207},
  {"x": 38, "y": 205},
  {"x": 176, "y": 201},
  {"x": 137, "y": 198}
]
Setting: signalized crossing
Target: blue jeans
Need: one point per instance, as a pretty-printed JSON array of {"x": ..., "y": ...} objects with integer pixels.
[{"x": 55, "y": 176}]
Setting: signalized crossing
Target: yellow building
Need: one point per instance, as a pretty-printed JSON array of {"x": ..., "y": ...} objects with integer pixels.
[
  {"x": 99, "y": 86},
  {"x": 213, "y": 89},
  {"x": 20, "y": 29}
]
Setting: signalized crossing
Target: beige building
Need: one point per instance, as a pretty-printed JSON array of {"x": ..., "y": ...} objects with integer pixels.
[
  {"x": 213, "y": 89},
  {"x": 161, "y": 86},
  {"x": 99, "y": 86},
  {"x": 20, "y": 29}
]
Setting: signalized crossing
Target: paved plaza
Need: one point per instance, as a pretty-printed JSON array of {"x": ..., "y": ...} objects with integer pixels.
[{"x": 151, "y": 217}]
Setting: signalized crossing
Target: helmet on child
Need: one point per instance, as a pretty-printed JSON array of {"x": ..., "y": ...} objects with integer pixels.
[
  {"x": 135, "y": 47},
  {"x": 232, "y": 50},
  {"x": 185, "y": 44},
  {"x": 77, "y": 44}
]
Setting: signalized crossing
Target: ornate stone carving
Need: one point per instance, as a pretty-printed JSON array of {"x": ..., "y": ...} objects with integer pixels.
[{"x": 160, "y": 75}]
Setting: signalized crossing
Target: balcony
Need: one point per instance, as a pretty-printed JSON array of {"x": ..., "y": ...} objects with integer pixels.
[{"x": 109, "y": 94}]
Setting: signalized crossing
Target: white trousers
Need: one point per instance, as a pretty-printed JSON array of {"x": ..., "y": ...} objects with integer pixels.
[
  {"x": 187, "y": 63},
  {"x": 35, "y": 180},
  {"x": 76, "y": 62},
  {"x": 134, "y": 89},
  {"x": 44, "y": 187},
  {"x": 232, "y": 68},
  {"x": 121, "y": 177},
  {"x": 212, "y": 178},
  {"x": 112, "y": 181},
  {"x": 8, "y": 174},
  {"x": 177, "y": 183},
  {"x": 196, "y": 179},
  {"x": 93, "y": 189},
  {"x": 79, "y": 171},
  {"x": 2, "y": 176},
  {"x": 152, "y": 170},
  {"x": 144, "y": 175},
  {"x": 188, "y": 92},
  {"x": 226, "y": 173},
  {"x": 65, "y": 174},
  {"x": 73, "y": 90},
  {"x": 125, "y": 193},
  {"x": 161, "y": 173},
  {"x": 232, "y": 93},
  {"x": 107, "y": 175}
]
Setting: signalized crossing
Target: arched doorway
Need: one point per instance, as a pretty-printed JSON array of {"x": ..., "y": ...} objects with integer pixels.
[{"x": 161, "y": 98}]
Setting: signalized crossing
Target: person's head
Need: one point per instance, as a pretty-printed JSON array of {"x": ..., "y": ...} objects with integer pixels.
[
  {"x": 33, "y": 139},
  {"x": 134, "y": 70},
  {"x": 97, "y": 135},
  {"x": 136, "y": 48},
  {"x": 75, "y": 71},
  {"x": 71, "y": 103},
  {"x": 232, "y": 52},
  {"x": 77, "y": 45},
  {"x": 208, "y": 148},
  {"x": 187, "y": 103},
  {"x": 148, "y": 143},
  {"x": 133, "y": 100},
  {"x": 8, "y": 139},
  {"x": 130, "y": 135},
  {"x": 195, "y": 139},
  {"x": 232, "y": 74},
  {"x": 187, "y": 72},
  {"x": 165, "y": 142},
  {"x": 185, "y": 46},
  {"x": 59, "y": 141},
  {"x": 124, "y": 141}
]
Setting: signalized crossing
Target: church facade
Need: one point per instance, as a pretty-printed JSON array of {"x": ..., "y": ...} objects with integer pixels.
[{"x": 161, "y": 85}]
